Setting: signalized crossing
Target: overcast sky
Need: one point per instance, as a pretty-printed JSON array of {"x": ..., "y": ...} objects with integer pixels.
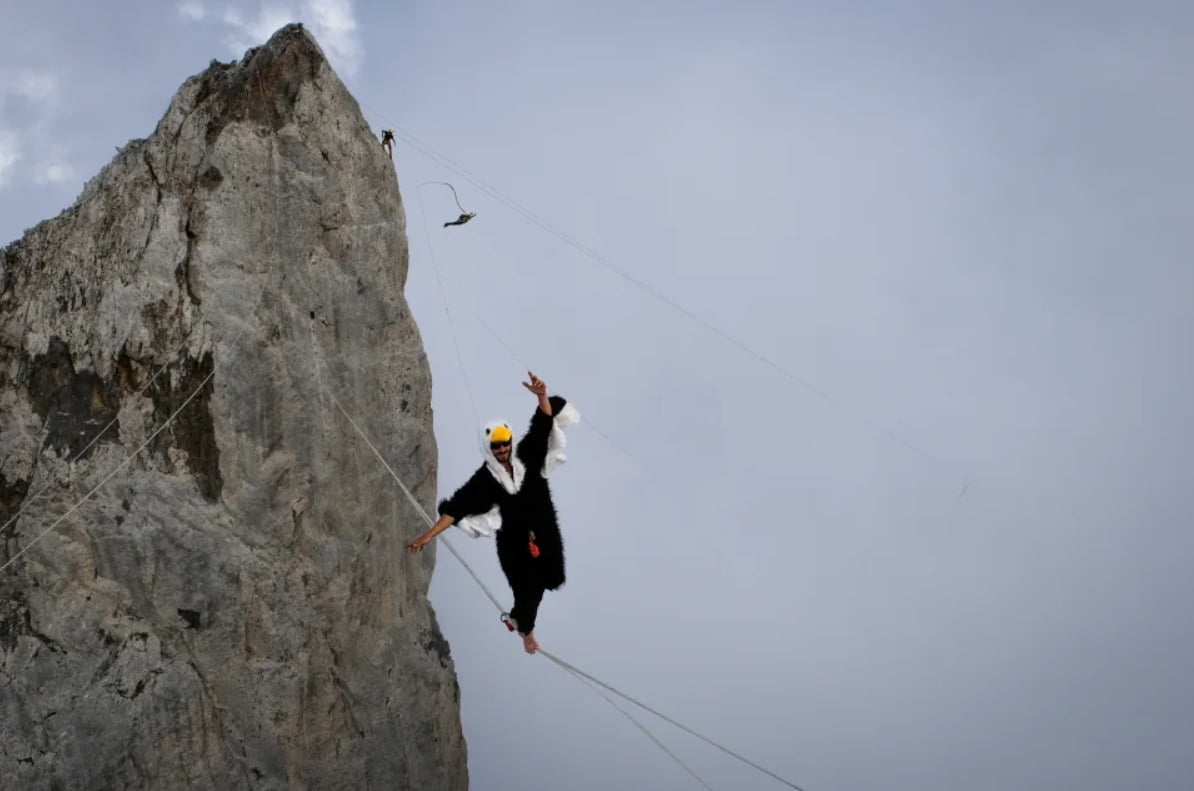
[{"x": 969, "y": 228}]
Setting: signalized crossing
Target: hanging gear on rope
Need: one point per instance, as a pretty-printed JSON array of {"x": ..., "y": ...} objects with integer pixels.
[
  {"x": 465, "y": 216},
  {"x": 461, "y": 220}
]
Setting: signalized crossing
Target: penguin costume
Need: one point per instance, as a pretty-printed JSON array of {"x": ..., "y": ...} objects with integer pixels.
[{"x": 517, "y": 509}]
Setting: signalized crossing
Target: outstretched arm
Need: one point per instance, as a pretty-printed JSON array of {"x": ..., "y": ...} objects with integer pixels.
[
  {"x": 533, "y": 447},
  {"x": 474, "y": 497},
  {"x": 443, "y": 523}
]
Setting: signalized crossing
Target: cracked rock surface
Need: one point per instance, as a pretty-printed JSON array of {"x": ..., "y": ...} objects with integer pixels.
[{"x": 232, "y": 607}]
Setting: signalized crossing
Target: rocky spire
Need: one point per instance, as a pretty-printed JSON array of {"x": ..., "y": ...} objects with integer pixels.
[{"x": 233, "y": 607}]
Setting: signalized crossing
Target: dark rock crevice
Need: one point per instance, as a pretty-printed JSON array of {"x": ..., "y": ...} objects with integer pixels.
[
  {"x": 78, "y": 405},
  {"x": 75, "y": 404},
  {"x": 153, "y": 223},
  {"x": 14, "y": 617},
  {"x": 12, "y": 497},
  {"x": 192, "y": 430}
]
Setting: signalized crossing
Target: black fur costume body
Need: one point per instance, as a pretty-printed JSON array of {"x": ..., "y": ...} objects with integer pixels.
[{"x": 529, "y": 510}]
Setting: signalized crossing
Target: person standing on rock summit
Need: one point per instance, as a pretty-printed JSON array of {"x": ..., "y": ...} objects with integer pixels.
[{"x": 508, "y": 497}]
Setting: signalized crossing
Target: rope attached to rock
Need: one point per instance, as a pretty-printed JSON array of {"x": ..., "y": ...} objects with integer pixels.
[
  {"x": 109, "y": 476},
  {"x": 28, "y": 501},
  {"x": 130, "y": 457},
  {"x": 274, "y": 236}
]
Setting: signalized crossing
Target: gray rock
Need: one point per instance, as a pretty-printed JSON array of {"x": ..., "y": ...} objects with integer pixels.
[{"x": 233, "y": 606}]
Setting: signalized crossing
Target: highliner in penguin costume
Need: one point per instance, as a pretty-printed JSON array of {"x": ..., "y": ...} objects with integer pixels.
[{"x": 508, "y": 497}]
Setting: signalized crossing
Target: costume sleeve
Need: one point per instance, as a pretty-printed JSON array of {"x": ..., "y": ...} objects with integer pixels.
[
  {"x": 532, "y": 449},
  {"x": 476, "y": 496}
]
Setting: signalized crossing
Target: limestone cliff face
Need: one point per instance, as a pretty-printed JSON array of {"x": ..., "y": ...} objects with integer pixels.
[{"x": 232, "y": 608}]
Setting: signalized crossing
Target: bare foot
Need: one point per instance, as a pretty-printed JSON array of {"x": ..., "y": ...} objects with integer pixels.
[{"x": 529, "y": 643}]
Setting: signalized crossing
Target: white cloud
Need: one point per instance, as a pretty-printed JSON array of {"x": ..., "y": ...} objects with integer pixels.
[
  {"x": 334, "y": 25},
  {"x": 192, "y": 10},
  {"x": 27, "y": 140},
  {"x": 54, "y": 171},
  {"x": 10, "y": 153},
  {"x": 332, "y": 22},
  {"x": 254, "y": 32},
  {"x": 36, "y": 85}
]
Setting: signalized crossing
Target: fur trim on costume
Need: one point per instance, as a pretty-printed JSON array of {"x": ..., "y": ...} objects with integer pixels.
[
  {"x": 562, "y": 418},
  {"x": 496, "y": 468},
  {"x": 482, "y": 525}
]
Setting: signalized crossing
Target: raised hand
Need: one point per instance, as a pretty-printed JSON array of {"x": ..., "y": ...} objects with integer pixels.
[
  {"x": 539, "y": 388},
  {"x": 536, "y": 385}
]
